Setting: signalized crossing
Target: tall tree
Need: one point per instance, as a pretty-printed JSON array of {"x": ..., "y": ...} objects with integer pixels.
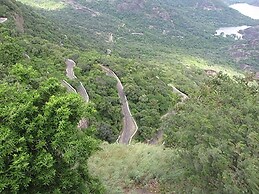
[{"x": 42, "y": 150}]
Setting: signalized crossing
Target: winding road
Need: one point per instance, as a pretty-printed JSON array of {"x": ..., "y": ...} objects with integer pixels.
[
  {"x": 83, "y": 123},
  {"x": 158, "y": 137},
  {"x": 71, "y": 75},
  {"x": 68, "y": 86},
  {"x": 2, "y": 20},
  {"x": 70, "y": 69},
  {"x": 183, "y": 96},
  {"x": 130, "y": 126},
  {"x": 82, "y": 91}
]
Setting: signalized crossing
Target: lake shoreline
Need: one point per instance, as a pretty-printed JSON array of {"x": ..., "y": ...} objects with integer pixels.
[{"x": 235, "y": 31}]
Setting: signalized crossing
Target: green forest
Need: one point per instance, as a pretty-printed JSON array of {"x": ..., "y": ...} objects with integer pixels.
[{"x": 195, "y": 111}]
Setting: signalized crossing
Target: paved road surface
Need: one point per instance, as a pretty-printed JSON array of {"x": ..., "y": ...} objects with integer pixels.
[
  {"x": 158, "y": 137},
  {"x": 183, "y": 96},
  {"x": 129, "y": 124},
  {"x": 70, "y": 69},
  {"x": 82, "y": 91},
  {"x": 83, "y": 123},
  {"x": 68, "y": 86},
  {"x": 71, "y": 75},
  {"x": 2, "y": 20}
]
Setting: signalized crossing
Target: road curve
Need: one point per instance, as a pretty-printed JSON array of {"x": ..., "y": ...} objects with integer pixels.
[
  {"x": 2, "y": 20},
  {"x": 71, "y": 75},
  {"x": 68, "y": 86},
  {"x": 83, "y": 123},
  {"x": 70, "y": 69},
  {"x": 82, "y": 91},
  {"x": 158, "y": 137},
  {"x": 183, "y": 96},
  {"x": 129, "y": 124}
]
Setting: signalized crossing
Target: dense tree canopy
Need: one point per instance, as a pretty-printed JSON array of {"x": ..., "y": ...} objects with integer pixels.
[
  {"x": 217, "y": 134},
  {"x": 212, "y": 139},
  {"x": 42, "y": 150}
]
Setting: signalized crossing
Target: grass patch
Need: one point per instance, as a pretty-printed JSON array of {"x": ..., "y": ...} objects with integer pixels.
[
  {"x": 44, "y": 4},
  {"x": 132, "y": 169},
  {"x": 202, "y": 64}
]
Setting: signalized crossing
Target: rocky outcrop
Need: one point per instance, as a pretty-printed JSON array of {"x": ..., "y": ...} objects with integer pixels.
[
  {"x": 211, "y": 72},
  {"x": 19, "y": 22},
  {"x": 251, "y": 33},
  {"x": 80, "y": 7},
  {"x": 131, "y": 5},
  {"x": 247, "y": 49},
  {"x": 161, "y": 13}
]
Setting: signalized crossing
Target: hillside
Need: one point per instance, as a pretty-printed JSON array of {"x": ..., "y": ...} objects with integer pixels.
[
  {"x": 77, "y": 75},
  {"x": 149, "y": 29},
  {"x": 141, "y": 29},
  {"x": 251, "y": 2}
]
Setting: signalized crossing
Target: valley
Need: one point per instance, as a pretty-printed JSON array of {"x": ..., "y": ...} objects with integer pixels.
[{"x": 128, "y": 97}]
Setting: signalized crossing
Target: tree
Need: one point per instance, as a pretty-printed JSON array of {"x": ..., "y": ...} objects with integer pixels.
[
  {"x": 42, "y": 150},
  {"x": 217, "y": 135}
]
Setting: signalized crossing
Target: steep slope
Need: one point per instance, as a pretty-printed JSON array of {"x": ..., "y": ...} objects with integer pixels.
[
  {"x": 42, "y": 148},
  {"x": 163, "y": 37},
  {"x": 141, "y": 28}
]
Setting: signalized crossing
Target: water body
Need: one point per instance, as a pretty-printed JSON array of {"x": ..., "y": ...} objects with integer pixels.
[
  {"x": 247, "y": 10},
  {"x": 231, "y": 31}
]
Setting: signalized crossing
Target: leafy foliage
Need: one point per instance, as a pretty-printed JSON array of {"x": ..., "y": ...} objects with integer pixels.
[
  {"x": 217, "y": 135},
  {"x": 212, "y": 140},
  {"x": 42, "y": 150}
]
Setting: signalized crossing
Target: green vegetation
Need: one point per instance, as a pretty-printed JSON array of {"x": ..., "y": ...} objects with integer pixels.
[
  {"x": 212, "y": 147},
  {"x": 216, "y": 132},
  {"x": 165, "y": 26},
  {"x": 42, "y": 150},
  {"x": 128, "y": 169},
  {"x": 43, "y": 4},
  {"x": 211, "y": 141}
]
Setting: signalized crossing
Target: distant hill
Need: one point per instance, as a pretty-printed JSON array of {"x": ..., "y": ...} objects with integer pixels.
[
  {"x": 181, "y": 83},
  {"x": 251, "y": 2},
  {"x": 142, "y": 28}
]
